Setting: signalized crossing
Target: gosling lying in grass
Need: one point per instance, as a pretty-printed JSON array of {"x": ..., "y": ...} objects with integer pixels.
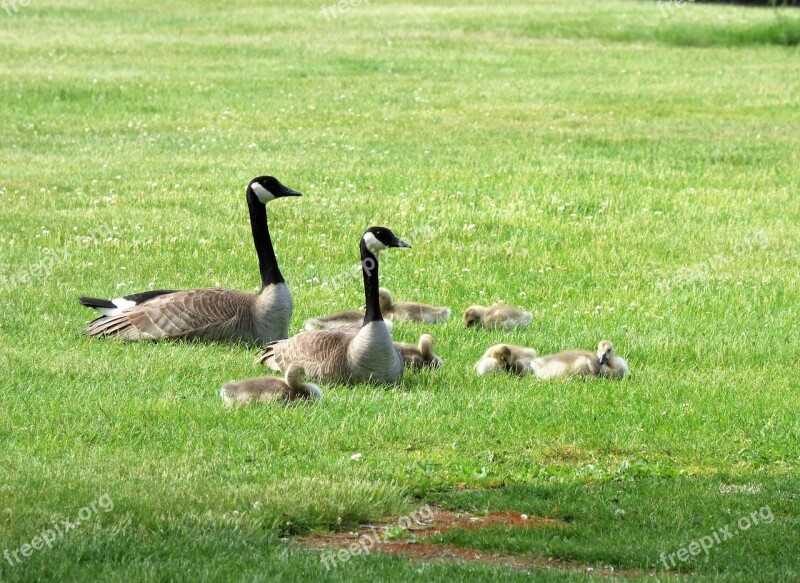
[
  {"x": 611, "y": 365},
  {"x": 271, "y": 389},
  {"x": 581, "y": 363},
  {"x": 412, "y": 311},
  {"x": 506, "y": 358},
  {"x": 496, "y": 316},
  {"x": 419, "y": 355},
  {"x": 338, "y": 320}
]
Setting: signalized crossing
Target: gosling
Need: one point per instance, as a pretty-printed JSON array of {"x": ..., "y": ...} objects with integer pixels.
[
  {"x": 581, "y": 363},
  {"x": 496, "y": 316},
  {"x": 339, "y": 320},
  {"x": 271, "y": 389},
  {"x": 412, "y": 311},
  {"x": 611, "y": 365},
  {"x": 420, "y": 355},
  {"x": 506, "y": 358}
]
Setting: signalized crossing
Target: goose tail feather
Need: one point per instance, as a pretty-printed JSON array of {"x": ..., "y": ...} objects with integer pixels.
[
  {"x": 267, "y": 356},
  {"x": 108, "y": 307},
  {"x": 96, "y": 303}
]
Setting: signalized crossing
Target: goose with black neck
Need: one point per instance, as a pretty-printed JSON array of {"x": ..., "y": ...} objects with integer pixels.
[
  {"x": 209, "y": 313},
  {"x": 350, "y": 354}
]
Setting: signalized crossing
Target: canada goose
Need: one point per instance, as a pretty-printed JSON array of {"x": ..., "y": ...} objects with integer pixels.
[
  {"x": 419, "y": 355},
  {"x": 611, "y": 365},
  {"x": 339, "y": 319},
  {"x": 412, "y": 311},
  {"x": 270, "y": 389},
  {"x": 209, "y": 313},
  {"x": 508, "y": 358},
  {"x": 581, "y": 363},
  {"x": 496, "y": 316},
  {"x": 351, "y": 354}
]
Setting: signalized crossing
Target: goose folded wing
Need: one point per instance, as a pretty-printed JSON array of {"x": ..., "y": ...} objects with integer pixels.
[
  {"x": 321, "y": 352},
  {"x": 184, "y": 314}
]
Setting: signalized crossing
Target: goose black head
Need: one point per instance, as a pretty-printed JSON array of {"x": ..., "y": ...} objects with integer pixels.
[
  {"x": 380, "y": 238},
  {"x": 604, "y": 351},
  {"x": 267, "y": 188}
]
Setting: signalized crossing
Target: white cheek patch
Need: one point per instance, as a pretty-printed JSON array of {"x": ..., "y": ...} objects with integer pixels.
[
  {"x": 373, "y": 244},
  {"x": 262, "y": 193}
]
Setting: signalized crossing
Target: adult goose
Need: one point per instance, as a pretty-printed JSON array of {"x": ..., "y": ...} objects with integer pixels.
[
  {"x": 209, "y": 313},
  {"x": 351, "y": 354}
]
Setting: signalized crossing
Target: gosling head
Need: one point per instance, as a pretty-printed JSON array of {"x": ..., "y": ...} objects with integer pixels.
[
  {"x": 426, "y": 350},
  {"x": 385, "y": 299},
  {"x": 380, "y": 238},
  {"x": 604, "y": 351},
  {"x": 295, "y": 375},
  {"x": 501, "y": 353},
  {"x": 267, "y": 188},
  {"x": 473, "y": 315}
]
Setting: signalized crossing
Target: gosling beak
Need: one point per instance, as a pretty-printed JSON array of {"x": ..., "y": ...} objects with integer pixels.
[{"x": 603, "y": 358}]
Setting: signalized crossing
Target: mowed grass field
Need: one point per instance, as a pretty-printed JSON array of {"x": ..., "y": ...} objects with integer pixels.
[{"x": 623, "y": 174}]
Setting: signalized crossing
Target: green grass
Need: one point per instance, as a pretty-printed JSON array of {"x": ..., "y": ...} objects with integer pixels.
[{"x": 585, "y": 162}]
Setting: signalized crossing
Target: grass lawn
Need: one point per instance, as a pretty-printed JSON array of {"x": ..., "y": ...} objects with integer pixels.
[{"x": 621, "y": 173}]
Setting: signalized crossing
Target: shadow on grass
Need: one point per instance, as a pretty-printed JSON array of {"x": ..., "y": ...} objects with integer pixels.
[{"x": 781, "y": 31}]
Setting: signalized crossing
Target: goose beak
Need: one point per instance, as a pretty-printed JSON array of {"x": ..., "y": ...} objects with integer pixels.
[
  {"x": 286, "y": 191},
  {"x": 603, "y": 358},
  {"x": 399, "y": 243}
]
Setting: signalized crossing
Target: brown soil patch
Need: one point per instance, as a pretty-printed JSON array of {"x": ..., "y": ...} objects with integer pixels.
[{"x": 413, "y": 543}]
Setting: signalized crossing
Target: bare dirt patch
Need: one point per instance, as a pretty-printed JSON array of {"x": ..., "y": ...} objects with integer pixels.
[{"x": 413, "y": 542}]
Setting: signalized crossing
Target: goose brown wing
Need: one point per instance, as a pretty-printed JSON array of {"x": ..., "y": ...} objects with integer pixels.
[
  {"x": 323, "y": 353},
  {"x": 209, "y": 313}
]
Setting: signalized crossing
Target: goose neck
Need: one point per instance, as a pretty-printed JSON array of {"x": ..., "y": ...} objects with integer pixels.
[
  {"x": 267, "y": 262},
  {"x": 369, "y": 269}
]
